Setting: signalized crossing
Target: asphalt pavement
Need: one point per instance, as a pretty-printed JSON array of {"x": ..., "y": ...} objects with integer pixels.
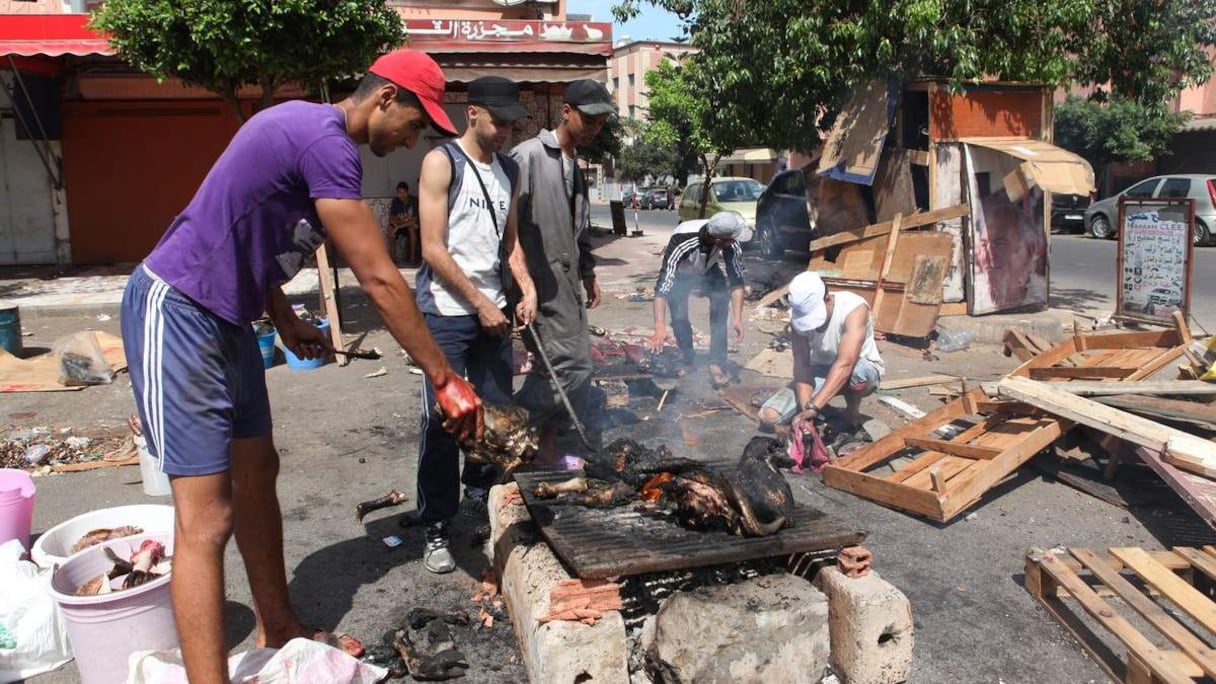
[{"x": 350, "y": 434}]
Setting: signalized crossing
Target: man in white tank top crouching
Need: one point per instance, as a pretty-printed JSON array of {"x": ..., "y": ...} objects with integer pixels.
[{"x": 834, "y": 353}]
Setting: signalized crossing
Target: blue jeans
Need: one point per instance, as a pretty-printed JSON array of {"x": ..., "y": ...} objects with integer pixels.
[
  {"x": 864, "y": 380},
  {"x": 485, "y": 360}
]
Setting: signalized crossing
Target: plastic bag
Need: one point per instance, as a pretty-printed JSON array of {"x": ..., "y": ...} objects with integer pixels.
[
  {"x": 300, "y": 661},
  {"x": 33, "y": 634},
  {"x": 81, "y": 361}
]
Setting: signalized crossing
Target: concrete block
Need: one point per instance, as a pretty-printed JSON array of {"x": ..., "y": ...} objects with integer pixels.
[
  {"x": 871, "y": 628},
  {"x": 770, "y": 629},
  {"x": 558, "y": 652},
  {"x": 990, "y": 329}
]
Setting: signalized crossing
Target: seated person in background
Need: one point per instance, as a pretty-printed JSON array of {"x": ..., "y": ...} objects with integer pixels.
[
  {"x": 834, "y": 353},
  {"x": 403, "y": 226}
]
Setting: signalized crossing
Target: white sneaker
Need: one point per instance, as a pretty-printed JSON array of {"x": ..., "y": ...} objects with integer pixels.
[{"x": 437, "y": 557}]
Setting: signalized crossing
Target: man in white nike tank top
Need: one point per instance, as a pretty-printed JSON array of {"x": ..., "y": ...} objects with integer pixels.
[{"x": 466, "y": 207}]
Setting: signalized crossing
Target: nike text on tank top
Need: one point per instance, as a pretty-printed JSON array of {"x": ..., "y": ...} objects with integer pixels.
[{"x": 473, "y": 239}]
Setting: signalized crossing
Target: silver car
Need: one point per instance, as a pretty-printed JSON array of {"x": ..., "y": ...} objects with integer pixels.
[{"x": 1101, "y": 216}]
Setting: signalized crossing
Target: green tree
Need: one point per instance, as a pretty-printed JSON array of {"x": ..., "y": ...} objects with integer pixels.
[
  {"x": 1118, "y": 130},
  {"x": 650, "y": 155},
  {"x": 688, "y": 112},
  {"x": 781, "y": 64},
  {"x": 223, "y": 45}
]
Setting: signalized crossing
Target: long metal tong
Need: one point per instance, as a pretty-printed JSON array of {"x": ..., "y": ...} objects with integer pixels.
[{"x": 557, "y": 385}]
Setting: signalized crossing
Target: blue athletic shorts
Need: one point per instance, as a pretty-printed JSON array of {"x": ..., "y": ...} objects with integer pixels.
[{"x": 198, "y": 379}]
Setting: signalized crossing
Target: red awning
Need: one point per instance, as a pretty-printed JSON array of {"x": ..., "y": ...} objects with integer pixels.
[{"x": 53, "y": 35}]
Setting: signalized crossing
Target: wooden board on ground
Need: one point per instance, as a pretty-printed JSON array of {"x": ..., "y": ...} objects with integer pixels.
[
  {"x": 918, "y": 381},
  {"x": 1087, "y": 388},
  {"x": 1181, "y": 449},
  {"x": 1193, "y": 413},
  {"x": 1137, "y": 355},
  {"x": 41, "y": 373},
  {"x": 1196, "y": 491},
  {"x": 773, "y": 363},
  {"x": 947, "y": 476},
  {"x": 1073, "y": 589}
]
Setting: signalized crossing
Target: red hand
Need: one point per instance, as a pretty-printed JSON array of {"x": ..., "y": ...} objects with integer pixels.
[{"x": 461, "y": 408}]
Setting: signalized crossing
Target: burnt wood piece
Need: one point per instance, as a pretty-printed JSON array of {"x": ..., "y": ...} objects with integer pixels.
[{"x": 629, "y": 540}]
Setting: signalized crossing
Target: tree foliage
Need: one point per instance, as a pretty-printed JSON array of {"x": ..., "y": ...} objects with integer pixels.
[
  {"x": 1120, "y": 130},
  {"x": 688, "y": 112},
  {"x": 223, "y": 45},
  {"x": 775, "y": 66},
  {"x": 651, "y": 155}
]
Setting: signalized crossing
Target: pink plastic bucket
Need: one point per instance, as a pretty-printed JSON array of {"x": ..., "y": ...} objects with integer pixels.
[
  {"x": 105, "y": 630},
  {"x": 16, "y": 505}
]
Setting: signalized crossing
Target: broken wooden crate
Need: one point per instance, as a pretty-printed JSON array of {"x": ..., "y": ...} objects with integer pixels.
[
  {"x": 947, "y": 474},
  {"x": 1107, "y": 356},
  {"x": 1152, "y": 588}
]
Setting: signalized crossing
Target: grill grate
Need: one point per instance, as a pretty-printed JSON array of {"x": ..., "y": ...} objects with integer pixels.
[{"x": 611, "y": 542}]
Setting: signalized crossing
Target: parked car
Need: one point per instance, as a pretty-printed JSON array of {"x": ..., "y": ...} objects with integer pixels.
[
  {"x": 656, "y": 198},
  {"x": 630, "y": 196},
  {"x": 1101, "y": 217},
  {"x": 1068, "y": 211},
  {"x": 782, "y": 221},
  {"x": 730, "y": 193}
]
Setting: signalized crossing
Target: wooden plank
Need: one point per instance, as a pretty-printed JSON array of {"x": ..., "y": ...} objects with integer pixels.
[
  {"x": 953, "y": 448},
  {"x": 920, "y": 464},
  {"x": 888, "y": 257},
  {"x": 1180, "y": 636},
  {"x": 1197, "y": 559},
  {"x": 1054, "y": 372},
  {"x": 887, "y": 493},
  {"x": 1088, "y": 388},
  {"x": 1137, "y": 644},
  {"x": 967, "y": 490},
  {"x": 1162, "y": 360},
  {"x": 917, "y": 381},
  {"x": 1019, "y": 345},
  {"x": 1183, "y": 450},
  {"x": 1192, "y": 412},
  {"x": 1196, "y": 491},
  {"x": 330, "y": 302},
  {"x": 1192, "y": 601},
  {"x": 877, "y": 229}
]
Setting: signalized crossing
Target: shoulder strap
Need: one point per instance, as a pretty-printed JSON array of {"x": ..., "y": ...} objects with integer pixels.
[{"x": 484, "y": 192}]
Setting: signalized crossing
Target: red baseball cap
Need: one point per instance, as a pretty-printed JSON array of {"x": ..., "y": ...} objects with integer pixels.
[{"x": 418, "y": 73}]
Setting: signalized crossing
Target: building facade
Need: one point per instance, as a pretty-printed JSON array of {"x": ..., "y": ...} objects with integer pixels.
[{"x": 95, "y": 155}]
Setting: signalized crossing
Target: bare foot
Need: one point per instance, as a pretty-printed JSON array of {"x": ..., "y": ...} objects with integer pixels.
[{"x": 718, "y": 377}]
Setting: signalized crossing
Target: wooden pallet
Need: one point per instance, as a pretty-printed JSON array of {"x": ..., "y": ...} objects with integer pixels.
[
  {"x": 1150, "y": 584},
  {"x": 947, "y": 474},
  {"x": 1106, "y": 357}
]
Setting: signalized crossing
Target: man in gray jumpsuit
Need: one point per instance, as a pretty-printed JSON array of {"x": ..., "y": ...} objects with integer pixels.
[{"x": 554, "y": 222}]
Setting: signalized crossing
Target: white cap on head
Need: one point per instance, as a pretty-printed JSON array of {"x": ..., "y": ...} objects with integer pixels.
[
  {"x": 808, "y": 311},
  {"x": 728, "y": 224}
]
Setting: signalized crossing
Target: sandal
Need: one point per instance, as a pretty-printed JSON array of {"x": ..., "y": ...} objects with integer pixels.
[{"x": 718, "y": 378}]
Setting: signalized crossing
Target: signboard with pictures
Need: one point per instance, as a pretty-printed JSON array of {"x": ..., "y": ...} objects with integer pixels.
[{"x": 1153, "y": 259}]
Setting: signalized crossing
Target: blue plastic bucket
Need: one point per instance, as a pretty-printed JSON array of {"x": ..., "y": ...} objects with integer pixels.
[
  {"x": 296, "y": 363},
  {"x": 266, "y": 346},
  {"x": 10, "y": 329}
]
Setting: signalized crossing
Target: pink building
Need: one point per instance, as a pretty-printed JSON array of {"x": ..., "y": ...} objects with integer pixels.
[{"x": 627, "y": 69}]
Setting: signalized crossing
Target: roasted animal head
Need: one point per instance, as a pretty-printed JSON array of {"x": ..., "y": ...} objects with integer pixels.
[
  {"x": 509, "y": 440},
  {"x": 768, "y": 450}
]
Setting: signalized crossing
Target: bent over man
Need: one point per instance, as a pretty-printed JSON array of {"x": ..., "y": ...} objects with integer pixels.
[{"x": 290, "y": 178}]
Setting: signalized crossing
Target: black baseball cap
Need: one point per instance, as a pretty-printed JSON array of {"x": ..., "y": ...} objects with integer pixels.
[
  {"x": 590, "y": 97},
  {"x": 499, "y": 95}
]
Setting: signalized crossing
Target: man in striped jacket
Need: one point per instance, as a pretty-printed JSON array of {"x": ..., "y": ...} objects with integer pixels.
[{"x": 705, "y": 255}]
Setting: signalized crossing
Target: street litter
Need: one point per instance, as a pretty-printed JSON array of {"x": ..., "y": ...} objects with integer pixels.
[
  {"x": 392, "y": 541},
  {"x": 379, "y": 372},
  {"x": 422, "y": 647},
  {"x": 393, "y": 498}
]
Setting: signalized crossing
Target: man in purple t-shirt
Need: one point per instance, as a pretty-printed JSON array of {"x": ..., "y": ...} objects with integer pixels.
[{"x": 290, "y": 179}]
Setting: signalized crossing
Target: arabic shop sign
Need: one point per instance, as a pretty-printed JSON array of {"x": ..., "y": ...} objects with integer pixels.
[{"x": 421, "y": 30}]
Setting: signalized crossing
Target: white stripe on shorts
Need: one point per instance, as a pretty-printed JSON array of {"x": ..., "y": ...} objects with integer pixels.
[{"x": 153, "y": 394}]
